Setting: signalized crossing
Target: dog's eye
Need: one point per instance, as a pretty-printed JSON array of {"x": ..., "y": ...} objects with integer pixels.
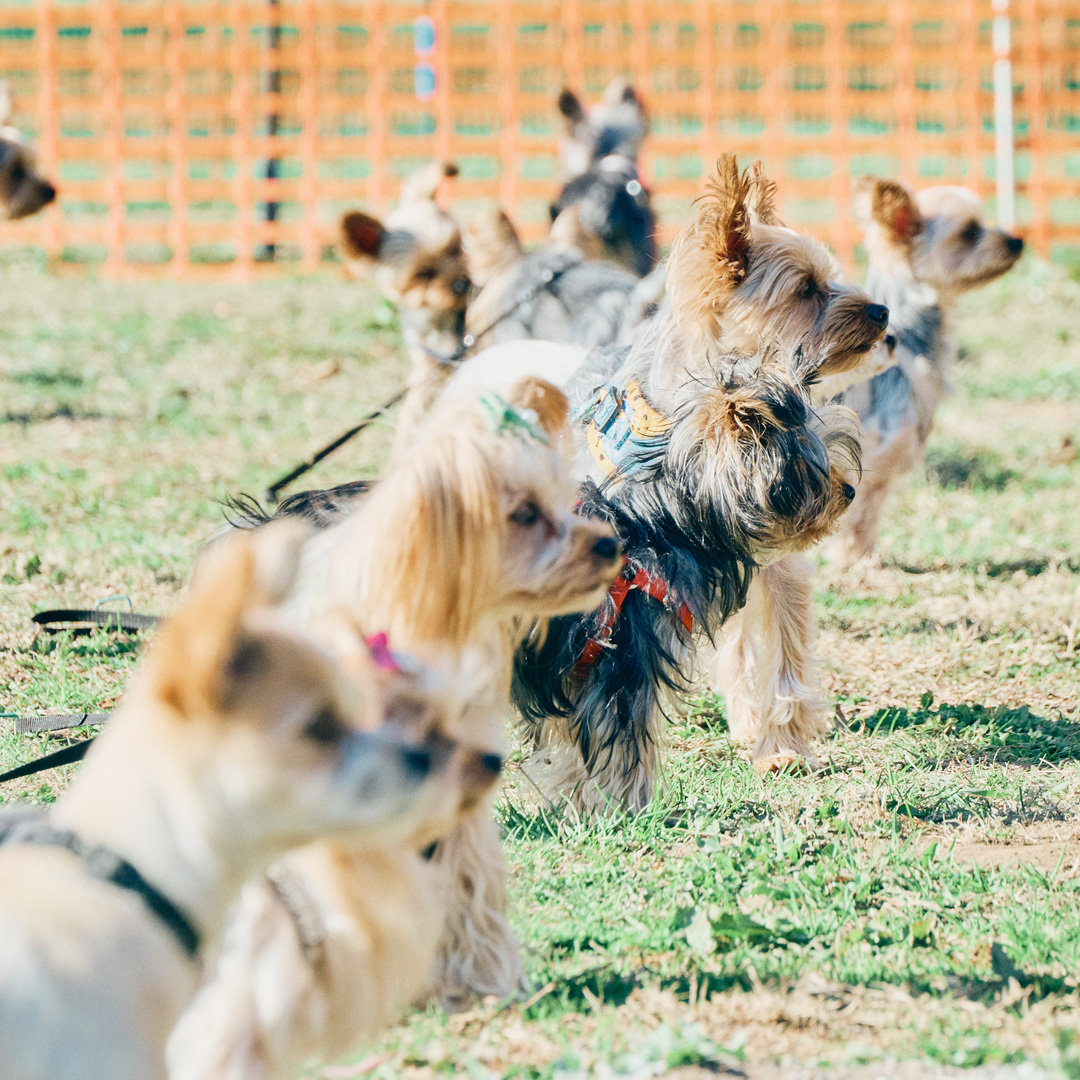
[
  {"x": 528, "y": 513},
  {"x": 460, "y": 287},
  {"x": 972, "y": 233},
  {"x": 325, "y": 728},
  {"x": 809, "y": 289},
  {"x": 18, "y": 173},
  {"x": 428, "y": 274}
]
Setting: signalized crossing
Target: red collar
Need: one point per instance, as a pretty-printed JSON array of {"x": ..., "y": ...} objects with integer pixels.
[{"x": 652, "y": 585}]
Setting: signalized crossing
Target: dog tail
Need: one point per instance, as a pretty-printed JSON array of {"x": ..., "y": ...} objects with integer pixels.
[
  {"x": 320, "y": 508},
  {"x": 244, "y": 511}
]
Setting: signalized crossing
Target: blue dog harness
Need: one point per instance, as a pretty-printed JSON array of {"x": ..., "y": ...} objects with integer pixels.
[{"x": 626, "y": 434}]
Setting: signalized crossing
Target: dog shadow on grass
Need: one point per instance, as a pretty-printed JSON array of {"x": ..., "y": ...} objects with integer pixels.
[{"x": 986, "y": 734}]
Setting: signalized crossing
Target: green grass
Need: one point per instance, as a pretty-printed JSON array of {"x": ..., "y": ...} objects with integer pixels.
[{"x": 917, "y": 900}]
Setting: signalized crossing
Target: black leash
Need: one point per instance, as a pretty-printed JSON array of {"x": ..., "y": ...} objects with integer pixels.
[
  {"x": 50, "y": 622},
  {"x": 305, "y": 466},
  {"x": 113, "y": 620},
  {"x": 459, "y": 354},
  {"x": 67, "y": 756}
]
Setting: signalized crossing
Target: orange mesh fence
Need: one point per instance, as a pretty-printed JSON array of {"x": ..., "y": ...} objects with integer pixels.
[{"x": 225, "y": 136}]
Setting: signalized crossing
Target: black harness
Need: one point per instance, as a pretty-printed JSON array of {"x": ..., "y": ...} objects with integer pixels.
[{"x": 32, "y": 827}]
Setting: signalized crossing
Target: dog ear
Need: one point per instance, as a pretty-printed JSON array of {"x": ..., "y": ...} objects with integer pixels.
[
  {"x": 568, "y": 234},
  {"x": 546, "y": 400},
  {"x": 205, "y": 649},
  {"x": 762, "y": 200},
  {"x": 892, "y": 206},
  {"x": 361, "y": 236},
  {"x": 490, "y": 242},
  {"x": 728, "y": 233},
  {"x": 620, "y": 91},
  {"x": 572, "y": 110},
  {"x": 712, "y": 254},
  {"x": 423, "y": 185}
]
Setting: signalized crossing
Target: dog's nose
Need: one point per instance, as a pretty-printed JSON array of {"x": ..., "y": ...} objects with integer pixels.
[
  {"x": 491, "y": 763},
  {"x": 417, "y": 761},
  {"x": 890, "y": 342},
  {"x": 1016, "y": 244},
  {"x": 607, "y": 547},
  {"x": 48, "y": 192},
  {"x": 848, "y": 491},
  {"x": 878, "y": 313}
]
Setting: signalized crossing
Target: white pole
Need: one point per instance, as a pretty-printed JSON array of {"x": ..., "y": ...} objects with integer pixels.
[{"x": 1003, "y": 118}]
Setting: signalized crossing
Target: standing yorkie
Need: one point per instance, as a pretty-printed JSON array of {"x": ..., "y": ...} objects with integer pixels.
[
  {"x": 925, "y": 251},
  {"x": 603, "y": 204},
  {"x": 705, "y": 453}
]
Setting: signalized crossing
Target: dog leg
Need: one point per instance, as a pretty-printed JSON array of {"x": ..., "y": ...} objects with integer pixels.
[
  {"x": 622, "y": 780},
  {"x": 882, "y": 463},
  {"x": 478, "y": 953},
  {"x": 731, "y": 667},
  {"x": 787, "y": 671}
]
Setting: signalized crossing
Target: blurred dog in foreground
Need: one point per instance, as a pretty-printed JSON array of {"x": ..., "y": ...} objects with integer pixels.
[
  {"x": 925, "y": 251},
  {"x": 603, "y": 202},
  {"x": 237, "y": 741},
  {"x": 23, "y": 190},
  {"x": 469, "y": 538}
]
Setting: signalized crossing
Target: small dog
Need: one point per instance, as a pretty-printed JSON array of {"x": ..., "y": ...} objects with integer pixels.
[
  {"x": 705, "y": 453},
  {"x": 612, "y": 215},
  {"x": 238, "y": 740},
  {"x": 925, "y": 251},
  {"x": 468, "y": 538},
  {"x": 555, "y": 294},
  {"x": 417, "y": 261},
  {"x": 740, "y": 282},
  {"x": 23, "y": 190}
]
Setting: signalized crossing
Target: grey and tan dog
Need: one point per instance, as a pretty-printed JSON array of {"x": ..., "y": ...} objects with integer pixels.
[
  {"x": 23, "y": 190},
  {"x": 603, "y": 202},
  {"x": 925, "y": 251}
]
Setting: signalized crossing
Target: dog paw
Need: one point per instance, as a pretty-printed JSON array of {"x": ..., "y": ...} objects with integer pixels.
[{"x": 783, "y": 762}]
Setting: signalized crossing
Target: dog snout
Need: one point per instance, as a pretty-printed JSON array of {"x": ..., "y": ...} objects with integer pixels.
[
  {"x": 606, "y": 548},
  {"x": 847, "y": 491},
  {"x": 1016, "y": 244},
  {"x": 491, "y": 763},
  {"x": 48, "y": 194},
  {"x": 416, "y": 761},
  {"x": 878, "y": 314}
]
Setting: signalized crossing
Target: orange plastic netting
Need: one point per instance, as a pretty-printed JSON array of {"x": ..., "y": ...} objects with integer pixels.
[{"x": 158, "y": 119}]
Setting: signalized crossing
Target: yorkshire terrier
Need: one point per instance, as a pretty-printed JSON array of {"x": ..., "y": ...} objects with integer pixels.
[
  {"x": 610, "y": 208},
  {"x": 765, "y": 663},
  {"x": 705, "y": 453},
  {"x": 239, "y": 739},
  {"x": 23, "y": 190},
  {"x": 468, "y": 539},
  {"x": 925, "y": 251},
  {"x": 417, "y": 262},
  {"x": 554, "y": 294}
]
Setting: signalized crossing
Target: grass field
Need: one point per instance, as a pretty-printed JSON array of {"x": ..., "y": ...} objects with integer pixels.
[{"x": 917, "y": 901}]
